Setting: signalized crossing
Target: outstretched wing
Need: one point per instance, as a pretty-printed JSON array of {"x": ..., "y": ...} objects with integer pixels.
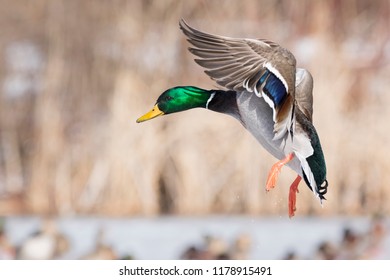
[
  {"x": 304, "y": 92},
  {"x": 258, "y": 66}
]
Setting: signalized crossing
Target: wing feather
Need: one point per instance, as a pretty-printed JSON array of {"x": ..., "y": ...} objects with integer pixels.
[
  {"x": 252, "y": 65},
  {"x": 238, "y": 64},
  {"x": 304, "y": 92}
]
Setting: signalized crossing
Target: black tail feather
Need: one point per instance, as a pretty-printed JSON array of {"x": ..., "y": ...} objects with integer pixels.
[{"x": 323, "y": 189}]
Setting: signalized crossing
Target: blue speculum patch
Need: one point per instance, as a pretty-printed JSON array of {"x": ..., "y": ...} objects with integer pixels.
[{"x": 273, "y": 88}]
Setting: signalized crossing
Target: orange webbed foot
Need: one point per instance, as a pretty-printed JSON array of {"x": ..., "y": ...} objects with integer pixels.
[
  {"x": 273, "y": 176},
  {"x": 275, "y": 170},
  {"x": 292, "y": 196}
]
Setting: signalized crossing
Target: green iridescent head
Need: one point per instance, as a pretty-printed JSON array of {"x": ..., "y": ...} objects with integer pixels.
[{"x": 178, "y": 99}]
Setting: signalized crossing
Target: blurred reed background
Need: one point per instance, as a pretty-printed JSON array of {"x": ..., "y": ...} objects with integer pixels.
[{"x": 75, "y": 75}]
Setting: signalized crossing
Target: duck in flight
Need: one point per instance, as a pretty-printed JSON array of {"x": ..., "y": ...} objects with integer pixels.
[{"x": 266, "y": 93}]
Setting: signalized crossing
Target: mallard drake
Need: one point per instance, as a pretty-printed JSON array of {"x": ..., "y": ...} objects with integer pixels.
[{"x": 262, "y": 89}]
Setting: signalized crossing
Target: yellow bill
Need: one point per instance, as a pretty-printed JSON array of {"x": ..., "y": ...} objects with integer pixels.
[{"x": 155, "y": 112}]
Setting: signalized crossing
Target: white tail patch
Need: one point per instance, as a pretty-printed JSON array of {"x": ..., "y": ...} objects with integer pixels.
[{"x": 298, "y": 143}]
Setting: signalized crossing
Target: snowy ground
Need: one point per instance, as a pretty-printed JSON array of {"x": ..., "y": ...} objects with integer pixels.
[{"x": 168, "y": 237}]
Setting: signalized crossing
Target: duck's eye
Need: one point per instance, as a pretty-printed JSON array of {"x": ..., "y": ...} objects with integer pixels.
[{"x": 168, "y": 98}]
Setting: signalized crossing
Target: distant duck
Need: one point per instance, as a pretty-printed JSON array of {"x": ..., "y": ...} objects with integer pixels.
[
  {"x": 45, "y": 244},
  {"x": 265, "y": 92}
]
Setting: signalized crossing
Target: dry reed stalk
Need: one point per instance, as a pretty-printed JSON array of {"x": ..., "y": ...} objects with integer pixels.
[
  {"x": 12, "y": 162},
  {"x": 49, "y": 143}
]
